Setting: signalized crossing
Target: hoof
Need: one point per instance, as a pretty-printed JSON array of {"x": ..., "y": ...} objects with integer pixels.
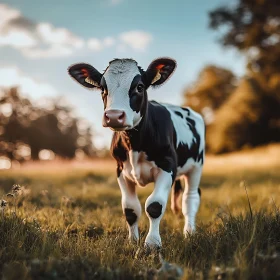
[{"x": 188, "y": 231}]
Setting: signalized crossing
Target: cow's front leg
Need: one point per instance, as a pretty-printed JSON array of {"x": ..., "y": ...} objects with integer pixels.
[
  {"x": 131, "y": 206},
  {"x": 155, "y": 206}
]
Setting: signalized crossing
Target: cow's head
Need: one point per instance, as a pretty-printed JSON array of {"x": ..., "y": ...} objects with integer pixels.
[{"x": 124, "y": 88}]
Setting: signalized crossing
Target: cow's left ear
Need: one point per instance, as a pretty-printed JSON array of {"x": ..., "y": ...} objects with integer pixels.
[{"x": 159, "y": 71}]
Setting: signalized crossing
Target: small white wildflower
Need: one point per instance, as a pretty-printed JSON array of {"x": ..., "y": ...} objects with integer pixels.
[
  {"x": 3, "y": 204},
  {"x": 16, "y": 188},
  {"x": 44, "y": 192}
]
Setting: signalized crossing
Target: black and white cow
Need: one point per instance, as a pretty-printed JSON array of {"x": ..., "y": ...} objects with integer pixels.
[{"x": 152, "y": 142}]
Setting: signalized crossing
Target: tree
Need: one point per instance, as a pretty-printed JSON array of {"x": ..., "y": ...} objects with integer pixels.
[
  {"x": 253, "y": 27},
  {"x": 241, "y": 121},
  {"x": 212, "y": 88},
  {"x": 251, "y": 115},
  {"x": 25, "y": 129}
]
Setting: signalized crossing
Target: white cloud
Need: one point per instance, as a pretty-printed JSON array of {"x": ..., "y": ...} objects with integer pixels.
[
  {"x": 11, "y": 76},
  {"x": 18, "y": 39},
  {"x": 53, "y": 51},
  {"x": 109, "y": 41},
  {"x": 12, "y": 35},
  {"x": 35, "y": 40},
  {"x": 95, "y": 44},
  {"x": 136, "y": 39},
  {"x": 58, "y": 36},
  {"x": 43, "y": 40}
]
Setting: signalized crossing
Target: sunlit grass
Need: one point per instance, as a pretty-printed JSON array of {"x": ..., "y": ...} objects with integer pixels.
[{"x": 68, "y": 224}]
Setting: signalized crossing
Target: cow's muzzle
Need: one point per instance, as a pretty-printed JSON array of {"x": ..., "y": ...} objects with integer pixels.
[{"x": 114, "y": 119}]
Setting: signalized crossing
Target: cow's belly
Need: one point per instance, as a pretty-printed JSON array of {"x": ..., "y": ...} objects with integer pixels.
[
  {"x": 138, "y": 169},
  {"x": 141, "y": 171}
]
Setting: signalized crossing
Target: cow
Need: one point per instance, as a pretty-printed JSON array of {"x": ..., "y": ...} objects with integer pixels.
[{"x": 152, "y": 142}]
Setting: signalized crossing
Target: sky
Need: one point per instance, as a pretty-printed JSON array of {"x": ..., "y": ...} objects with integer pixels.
[{"x": 39, "y": 40}]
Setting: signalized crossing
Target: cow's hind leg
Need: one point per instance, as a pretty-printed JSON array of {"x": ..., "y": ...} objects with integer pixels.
[
  {"x": 176, "y": 194},
  {"x": 191, "y": 199},
  {"x": 131, "y": 206}
]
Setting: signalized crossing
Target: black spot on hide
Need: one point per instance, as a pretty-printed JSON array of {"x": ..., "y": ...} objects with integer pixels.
[
  {"x": 179, "y": 114},
  {"x": 187, "y": 110},
  {"x": 182, "y": 154},
  {"x": 201, "y": 157},
  {"x": 194, "y": 148},
  {"x": 130, "y": 216},
  {"x": 154, "y": 210}
]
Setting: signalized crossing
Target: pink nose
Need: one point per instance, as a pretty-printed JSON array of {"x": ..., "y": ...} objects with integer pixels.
[{"x": 114, "y": 118}]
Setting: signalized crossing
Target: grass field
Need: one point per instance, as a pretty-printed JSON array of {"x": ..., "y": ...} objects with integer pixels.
[{"x": 66, "y": 222}]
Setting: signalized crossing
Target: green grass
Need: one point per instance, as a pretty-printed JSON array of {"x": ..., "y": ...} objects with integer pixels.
[{"x": 69, "y": 225}]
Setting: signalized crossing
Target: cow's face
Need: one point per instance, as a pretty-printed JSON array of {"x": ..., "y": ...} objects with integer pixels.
[{"x": 123, "y": 86}]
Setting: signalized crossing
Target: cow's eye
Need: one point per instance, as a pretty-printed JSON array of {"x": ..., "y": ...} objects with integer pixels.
[{"x": 140, "y": 88}]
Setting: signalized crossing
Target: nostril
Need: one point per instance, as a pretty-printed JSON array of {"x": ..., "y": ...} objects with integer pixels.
[
  {"x": 121, "y": 117},
  {"x": 107, "y": 119}
]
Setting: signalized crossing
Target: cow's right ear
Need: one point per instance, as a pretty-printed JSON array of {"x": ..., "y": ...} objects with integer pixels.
[{"x": 86, "y": 75}]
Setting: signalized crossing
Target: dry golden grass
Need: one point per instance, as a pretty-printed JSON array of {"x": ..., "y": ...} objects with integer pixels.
[
  {"x": 68, "y": 224},
  {"x": 262, "y": 158}
]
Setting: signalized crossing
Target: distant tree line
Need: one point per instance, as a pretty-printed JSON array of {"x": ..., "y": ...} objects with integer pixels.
[
  {"x": 245, "y": 112},
  {"x": 27, "y": 129}
]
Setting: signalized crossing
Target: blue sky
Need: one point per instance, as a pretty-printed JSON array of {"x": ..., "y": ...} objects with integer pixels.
[{"x": 40, "y": 39}]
